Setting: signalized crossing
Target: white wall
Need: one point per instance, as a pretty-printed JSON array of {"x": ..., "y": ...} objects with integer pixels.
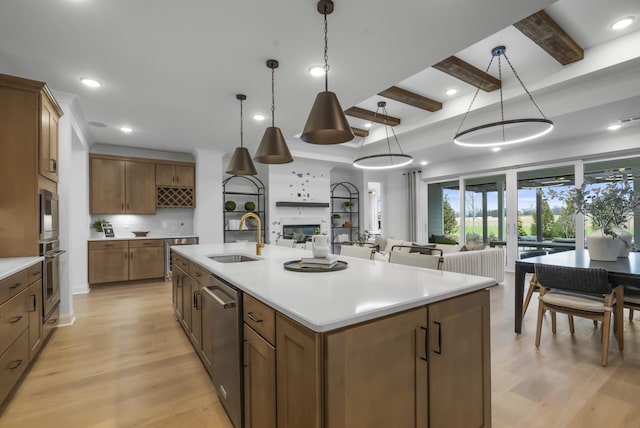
[
  {"x": 208, "y": 213},
  {"x": 395, "y": 202}
]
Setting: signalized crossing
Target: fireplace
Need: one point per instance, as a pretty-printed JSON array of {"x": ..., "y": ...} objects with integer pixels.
[{"x": 300, "y": 232}]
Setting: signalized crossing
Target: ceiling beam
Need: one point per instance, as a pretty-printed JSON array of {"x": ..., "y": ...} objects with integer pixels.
[
  {"x": 546, "y": 33},
  {"x": 411, "y": 98},
  {"x": 361, "y": 113},
  {"x": 359, "y": 132},
  {"x": 466, "y": 72}
]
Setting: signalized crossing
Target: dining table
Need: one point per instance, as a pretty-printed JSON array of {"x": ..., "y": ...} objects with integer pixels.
[{"x": 625, "y": 271}]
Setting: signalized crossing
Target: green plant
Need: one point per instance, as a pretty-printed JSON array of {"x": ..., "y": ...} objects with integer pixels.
[
  {"x": 347, "y": 205},
  {"x": 229, "y": 205},
  {"x": 249, "y": 206},
  {"x": 607, "y": 206},
  {"x": 335, "y": 216},
  {"x": 97, "y": 225}
]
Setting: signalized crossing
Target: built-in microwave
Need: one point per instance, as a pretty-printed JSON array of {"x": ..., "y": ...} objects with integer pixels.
[{"x": 48, "y": 216}]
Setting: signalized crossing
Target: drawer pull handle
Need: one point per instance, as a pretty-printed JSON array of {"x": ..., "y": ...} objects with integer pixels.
[
  {"x": 15, "y": 319},
  {"x": 53, "y": 321},
  {"x": 198, "y": 274},
  {"x": 14, "y": 286},
  {"x": 15, "y": 364},
  {"x": 34, "y": 303},
  {"x": 252, "y": 318}
]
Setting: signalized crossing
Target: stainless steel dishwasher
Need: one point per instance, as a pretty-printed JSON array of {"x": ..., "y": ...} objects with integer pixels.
[{"x": 222, "y": 308}]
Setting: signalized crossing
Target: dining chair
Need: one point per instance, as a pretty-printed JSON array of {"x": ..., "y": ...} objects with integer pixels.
[
  {"x": 289, "y": 243},
  {"x": 430, "y": 261},
  {"x": 533, "y": 282},
  {"x": 632, "y": 300},
  {"x": 583, "y": 292},
  {"x": 365, "y": 252}
]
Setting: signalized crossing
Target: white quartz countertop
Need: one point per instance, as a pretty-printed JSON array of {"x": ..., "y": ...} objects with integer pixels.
[
  {"x": 325, "y": 301},
  {"x": 132, "y": 237},
  {"x": 12, "y": 265}
]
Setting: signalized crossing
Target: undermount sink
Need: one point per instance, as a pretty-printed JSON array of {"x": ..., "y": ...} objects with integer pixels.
[{"x": 232, "y": 258}]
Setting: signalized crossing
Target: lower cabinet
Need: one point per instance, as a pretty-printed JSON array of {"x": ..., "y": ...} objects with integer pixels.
[
  {"x": 122, "y": 260},
  {"x": 34, "y": 293}
]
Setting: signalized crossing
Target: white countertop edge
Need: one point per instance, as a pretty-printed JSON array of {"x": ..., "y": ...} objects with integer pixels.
[
  {"x": 12, "y": 265},
  {"x": 136, "y": 238},
  {"x": 197, "y": 254}
]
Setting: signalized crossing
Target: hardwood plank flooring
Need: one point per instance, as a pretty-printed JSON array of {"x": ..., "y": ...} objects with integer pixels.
[{"x": 126, "y": 362}]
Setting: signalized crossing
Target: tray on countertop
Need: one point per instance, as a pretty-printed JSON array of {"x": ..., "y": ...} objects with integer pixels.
[{"x": 297, "y": 266}]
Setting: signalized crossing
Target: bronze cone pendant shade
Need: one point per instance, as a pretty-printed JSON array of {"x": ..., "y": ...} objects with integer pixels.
[
  {"x": 326, "y": 123},
  {"x": 273, "y": 148},
  {"x": 241, "y": 163}
]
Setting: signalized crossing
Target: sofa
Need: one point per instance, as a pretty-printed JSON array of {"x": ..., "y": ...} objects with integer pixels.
[{"x": 473, "y": 260}]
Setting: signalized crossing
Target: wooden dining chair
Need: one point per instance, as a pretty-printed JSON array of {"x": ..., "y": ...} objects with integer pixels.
[
  {"x": 583, "y": 292},
  {"x": 533, "y": 282},
  {"x": 632, "y": 300}
]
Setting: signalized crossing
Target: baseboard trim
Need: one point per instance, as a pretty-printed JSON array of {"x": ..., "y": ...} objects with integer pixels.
[
  {"x": 80, "y": 289},
  {"x": 66, "y": 320}
]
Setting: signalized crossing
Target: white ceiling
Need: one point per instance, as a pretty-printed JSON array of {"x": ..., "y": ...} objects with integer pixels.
[{"x": 171, "y": 70}]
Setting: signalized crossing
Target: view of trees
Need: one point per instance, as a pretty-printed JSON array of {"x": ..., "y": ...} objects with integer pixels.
[
  {"x": 563, "y": 227},
  {"x": 450, "y": 223}
]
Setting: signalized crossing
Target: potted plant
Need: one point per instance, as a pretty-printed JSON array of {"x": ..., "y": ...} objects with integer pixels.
[
  {"x": 335, "y": 218},
  {"x": 97, "y": 225},
  {"x": 609, "y": 207},
  {"x": 230, "y": 205},
  {"x": 347, "y": 205}
]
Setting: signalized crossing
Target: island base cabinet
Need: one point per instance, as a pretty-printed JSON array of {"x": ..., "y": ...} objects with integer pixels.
[
  {"x": 460, "y": 362},
  {"x": 298, "y": 375},
  {"x": 259, "y": 381},
  {"x": 374, "y": 372}
]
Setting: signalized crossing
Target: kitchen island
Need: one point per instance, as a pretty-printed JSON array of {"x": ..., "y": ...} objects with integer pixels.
[{"x": 376, "y": 344}]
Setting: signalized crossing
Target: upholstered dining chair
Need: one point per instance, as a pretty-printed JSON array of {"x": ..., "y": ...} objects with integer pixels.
[
  {"x": 430, "y": 261},
  {"x": 365, "y": 252},
  {"x": 583, "y": 292},
  {"x": 289, "y": 243},
  {"x": 533, "y": 282}
]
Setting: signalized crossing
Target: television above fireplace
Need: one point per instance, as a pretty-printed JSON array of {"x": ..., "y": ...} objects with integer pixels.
[{"x": 300, "y": 232}]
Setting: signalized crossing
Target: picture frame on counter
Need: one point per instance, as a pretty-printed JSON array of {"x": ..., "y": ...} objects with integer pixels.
[{"x": 107, "y": 228}]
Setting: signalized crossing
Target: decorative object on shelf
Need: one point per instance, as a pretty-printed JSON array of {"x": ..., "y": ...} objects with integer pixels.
[
  {"x": 229, "y": 205},
  {"x": 326, "y": 123},
  {"x": 347, "y": 205},
  {"x": 273, "y": 147},
  {"x": 97, "y": 225},
  {"x": 320, "y": 246},
  {"x": 249, "y": 206},
  {"x": 335, "y": 220},
  {"x": 345, "y": 199},
  {"x": 252, "y": 223},
  {"x": 609, "y": 207},
  {"x": 140, "y": 234},
  {"x": 347, "y": 224},
  {"x": 503, "y": 131},
  {"x": 241, "y": 163},
  {"x": 383, "y": 160}
]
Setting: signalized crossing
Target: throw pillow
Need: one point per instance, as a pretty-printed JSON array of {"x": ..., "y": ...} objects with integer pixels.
[
  {"x": 473, "y": 246},
  {"x": 422, "y": 249}
]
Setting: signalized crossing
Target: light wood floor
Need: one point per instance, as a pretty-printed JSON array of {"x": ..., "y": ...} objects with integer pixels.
[{"x": 126, "y": 362}]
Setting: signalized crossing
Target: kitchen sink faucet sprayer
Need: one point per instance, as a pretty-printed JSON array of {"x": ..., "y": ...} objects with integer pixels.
[{"x": 259, "y": 243}]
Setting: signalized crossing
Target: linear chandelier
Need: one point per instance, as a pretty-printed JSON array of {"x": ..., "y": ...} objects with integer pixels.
[
  {"x": 383, "y": 160},
  {"x": 503, "y": 132}
]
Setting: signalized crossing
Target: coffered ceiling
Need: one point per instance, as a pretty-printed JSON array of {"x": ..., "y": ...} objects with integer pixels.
[{"x": 170, "y": 70}]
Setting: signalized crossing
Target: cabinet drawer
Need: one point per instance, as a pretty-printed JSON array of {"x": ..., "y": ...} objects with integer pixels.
[
  {"x": 13, "y": 319},
  {"x": 107, "y": 245},
  {"x": 260, "y": 317},
  {"x": 12, "y": 285},
  {"x": 180, "y": 261},
  {"x": 51, "y": 323},
  {"x": 35, "y": 273},
  {"x": 200, "y": 274},
  {"x": 13, "y": 363},
  {"x": 143, "y": 243}
]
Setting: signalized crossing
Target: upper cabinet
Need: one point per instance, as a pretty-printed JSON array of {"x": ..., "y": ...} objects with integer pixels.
[
  {"x": 178, "y": 175},
  {"x": 122, "y": 186},
  {"x": 48, "y": 150}
]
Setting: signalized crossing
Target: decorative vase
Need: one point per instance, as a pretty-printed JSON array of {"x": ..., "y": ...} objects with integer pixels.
[
  {"x": 336, "y": 221},
  {"x": 320, "y": 246},
  {"x": 604, "y": 248},
  {"x": 624, "y": 241}
]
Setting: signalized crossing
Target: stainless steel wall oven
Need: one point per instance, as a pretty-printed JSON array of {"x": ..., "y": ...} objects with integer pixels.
[
  {"x": 50, "y": 276},
  {"x": 48, "y": 216}
]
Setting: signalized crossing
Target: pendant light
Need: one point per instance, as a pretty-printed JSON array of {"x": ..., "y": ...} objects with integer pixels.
[
  {"x": 503, "y": 132},
  {"x": 383, "y": 160},
  {"x": 241, "y": 163},
  {"x": 273, "y": 147},
  {"x": 326, "y": 123}
]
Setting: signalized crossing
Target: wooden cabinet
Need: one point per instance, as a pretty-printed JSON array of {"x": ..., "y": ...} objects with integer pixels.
[
  {"x": 121, "y": 186},
  {"x": 259, "y": 381},
  {"x": 21, "y": 330},
  {"x": 195, "y": 329},
  {"x": 117, "y": 261},
  {"x": 48, "y": 148},
  {"x": 179, "y": 175},
  {"x": 182, "y": 296},
  {"x": 27, "y": 148}
]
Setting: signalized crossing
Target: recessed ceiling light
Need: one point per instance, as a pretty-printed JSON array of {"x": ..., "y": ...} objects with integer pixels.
[
  {"x": 451, "y": 91},
  {"x": 423, "y": 163},
  {"x": 92, "y": 83},
  {"x": 496, "y": 149},
  {"x": 623, "y": 23},
  {"x": 126, "y": 129},
  {"x": 368, "y": 125},
  {"x": 614, "y": 127},
  {"x": 258, "y": 117},
  {"x": 316, "y": 70}
]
